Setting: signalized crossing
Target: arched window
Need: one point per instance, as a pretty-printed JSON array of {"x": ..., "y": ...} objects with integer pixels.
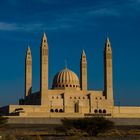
[
  {"x": 60, "y": 110},
  {"x": 95, "y": 111},
  {"x": 56, "y": 110},
  {"x": 51, "y": 110},
  {"x": 100, "y": 111},
  {"x": 104, "y": 111}
]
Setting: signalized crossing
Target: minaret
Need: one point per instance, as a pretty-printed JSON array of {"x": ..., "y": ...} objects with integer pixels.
[
  {"x": 44, "y": 70},
  {"x": 83, "y": 72},
  {"x": 28, "y": 73},
  {"x": 108, "y": 83}
]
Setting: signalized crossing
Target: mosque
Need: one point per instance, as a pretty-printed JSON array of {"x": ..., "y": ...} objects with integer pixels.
[{"x": 69, "y": 95}]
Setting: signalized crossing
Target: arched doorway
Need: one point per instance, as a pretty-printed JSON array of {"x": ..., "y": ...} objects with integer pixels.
[{"x": 76, "y": 107}]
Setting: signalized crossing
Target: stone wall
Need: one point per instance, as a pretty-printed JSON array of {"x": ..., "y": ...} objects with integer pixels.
[
  {"x": 126, "y": 112},
  {"x": 42, "y": 120}
]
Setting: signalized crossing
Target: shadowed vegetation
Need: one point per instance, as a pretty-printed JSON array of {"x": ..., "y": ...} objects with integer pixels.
[
  {"x": 3, "y": 121},
  {"x": 87, "y": 126}
]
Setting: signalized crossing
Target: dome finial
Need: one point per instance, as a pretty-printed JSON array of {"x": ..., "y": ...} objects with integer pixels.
[{"x": 65, "y": 64}]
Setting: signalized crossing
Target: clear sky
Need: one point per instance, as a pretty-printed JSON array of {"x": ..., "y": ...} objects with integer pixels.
[{"x": 70, "y": 26}]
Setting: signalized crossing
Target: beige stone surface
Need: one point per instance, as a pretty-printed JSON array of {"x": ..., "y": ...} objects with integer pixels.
[
  {"x": 108, "y": 76},
  {"x": 44, "y": 70},
  {"x": 83, "y": 71},
  {"x": 28, "y": 73}
]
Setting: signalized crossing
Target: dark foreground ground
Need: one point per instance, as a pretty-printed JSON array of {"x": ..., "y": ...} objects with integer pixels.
[
  {"x": 50, "y": 132},
  {"x": 125, "y": 129}
]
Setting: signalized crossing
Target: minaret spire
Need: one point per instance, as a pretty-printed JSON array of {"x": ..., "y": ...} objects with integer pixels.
[
  {"x": 28, "y": 72},
  {"x": 44, "y": 69},
  {"x": 108, "y": 45},
  {"x": 107, "y": 40},
  {"x": 44, "y": 38},
  {"x": 108, "y": 82},
  {"x": 83, "y": 53},
  {"x": 83, "y": 71}
]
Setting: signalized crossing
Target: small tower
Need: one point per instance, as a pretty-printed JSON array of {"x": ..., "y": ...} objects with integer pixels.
[
  {"x": 83, "y": 72},
  {"x": 108, "y": 82},
  {"x": 44, "y": 69},
  {"x": 28, "y": 73}
]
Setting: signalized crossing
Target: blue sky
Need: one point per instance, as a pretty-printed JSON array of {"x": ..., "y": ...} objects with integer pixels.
[{"x": 70, "y": 25}]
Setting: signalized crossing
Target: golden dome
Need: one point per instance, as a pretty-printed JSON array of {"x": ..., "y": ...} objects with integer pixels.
[{"x": 66, "y": 79}]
